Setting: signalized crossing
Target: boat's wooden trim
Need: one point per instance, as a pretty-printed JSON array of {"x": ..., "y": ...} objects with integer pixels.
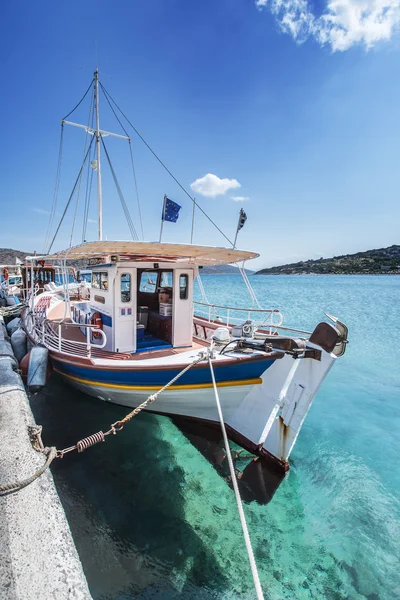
[
  {"x": 145, "y": 388},
  {"x": 135, "y": 364}
]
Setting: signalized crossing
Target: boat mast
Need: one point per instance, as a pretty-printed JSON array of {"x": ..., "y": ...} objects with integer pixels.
[{"x": 98, "y": 136}]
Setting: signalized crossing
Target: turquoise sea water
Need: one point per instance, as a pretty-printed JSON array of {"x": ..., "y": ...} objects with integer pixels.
[{"x": 152, "y": 519}]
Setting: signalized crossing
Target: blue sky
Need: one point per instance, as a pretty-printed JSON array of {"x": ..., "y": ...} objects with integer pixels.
[{"x": 296, "y": 102}]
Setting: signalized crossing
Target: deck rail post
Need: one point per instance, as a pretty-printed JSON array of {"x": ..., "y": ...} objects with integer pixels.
[{"x": 88, "y": 345}]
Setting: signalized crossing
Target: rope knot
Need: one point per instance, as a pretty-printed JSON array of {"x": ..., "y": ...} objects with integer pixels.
[{"x": 35, "y": 435}]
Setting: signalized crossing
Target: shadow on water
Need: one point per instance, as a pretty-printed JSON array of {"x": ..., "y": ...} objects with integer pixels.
[
  {"x": 257, "y": 480},
  {"x": 124, "y": 500}
]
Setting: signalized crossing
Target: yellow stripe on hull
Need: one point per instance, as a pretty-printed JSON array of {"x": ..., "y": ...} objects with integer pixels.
[{"x": 145, "y": 388}]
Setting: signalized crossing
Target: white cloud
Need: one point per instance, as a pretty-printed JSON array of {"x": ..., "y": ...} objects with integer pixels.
[
  {"x": 342, "y": 24},
  {"x": 41, "y": 211},
  {"x": 92, "y": 221},
  {"x": 211, "y": 186},
  {"x": 240, "y": 198}
]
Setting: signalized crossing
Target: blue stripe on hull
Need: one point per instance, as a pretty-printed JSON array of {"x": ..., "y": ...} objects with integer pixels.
[{"x": 137, "y": 376}]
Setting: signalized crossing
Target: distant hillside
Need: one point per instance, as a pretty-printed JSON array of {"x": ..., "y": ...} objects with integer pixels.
[
  {"x": 8, "y": 256},
  {"x": 223, "y": 270},
  {"x": 382, "y": 260}
]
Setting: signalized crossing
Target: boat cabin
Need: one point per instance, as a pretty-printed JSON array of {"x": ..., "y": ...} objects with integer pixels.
[
  {"x": 141, "y": 293},
  {"x": 140, "y": 306}
]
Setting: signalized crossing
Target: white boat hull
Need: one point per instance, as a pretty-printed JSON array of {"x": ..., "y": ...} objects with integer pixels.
[{"x": 248, "y": 409}]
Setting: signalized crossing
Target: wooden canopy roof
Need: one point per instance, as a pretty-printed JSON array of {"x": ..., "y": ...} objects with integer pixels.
[{"x": 129, "y": 250}]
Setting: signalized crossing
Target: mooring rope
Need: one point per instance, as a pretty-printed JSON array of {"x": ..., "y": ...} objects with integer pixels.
[
  {"x": 249, "y": 548},
  {"x": 14, "y": 487},
  {"x": 100, "y": 436},
  {"x": 91, "y": 440},
  {"x": 11, "y": 311},
  {"x": 95, "y": 438}
]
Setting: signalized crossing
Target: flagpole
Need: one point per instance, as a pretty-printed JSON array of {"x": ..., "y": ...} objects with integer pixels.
[
  {"x": 237, "y": 231},
  {"x": 194, "y": 206},
  {"x": 162, "y": 218},
  {"x": 241, "y": 221}
]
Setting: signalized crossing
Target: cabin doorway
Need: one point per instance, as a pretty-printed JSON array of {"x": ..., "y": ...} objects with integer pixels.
[{"x": 125, "y": 310}]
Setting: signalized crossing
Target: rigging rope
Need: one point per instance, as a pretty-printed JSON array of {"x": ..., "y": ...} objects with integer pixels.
[
  {"x": 131, "y": 154},
  {"x": 56, "y": 188},
  {"x": 71, "y": 196},
  {"x": 136, "y": 188},
  {"x": 250, "y": 289},
  {"x": 81, "y": 175},
  {"x": 89, "y": 183},
  {"x": 58, "y": 174},
  {"x": 112, "y": 108},
  {"x": 165, "y": 167},
  {"x": 80, "y": 101},
  {"x": 249, "y": 548},
  {"x": 121, "y": 196},
  {"x": 202, "y": 290}
]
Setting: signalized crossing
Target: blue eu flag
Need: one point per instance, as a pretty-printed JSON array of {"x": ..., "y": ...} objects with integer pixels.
[{"x": 171, "y": 211}]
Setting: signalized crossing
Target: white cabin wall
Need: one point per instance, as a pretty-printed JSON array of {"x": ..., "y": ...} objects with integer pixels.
[
  {"x": 104, "y": 301},
  {"x": 106, "y": 308},
  {"x": 125, "y": 310},
  {"x": 182, "y": 310}
]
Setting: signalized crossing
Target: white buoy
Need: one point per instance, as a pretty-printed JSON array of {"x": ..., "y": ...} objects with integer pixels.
[
  {"x": 18, "y": 343},
  {"x": 37, "y": 369}
]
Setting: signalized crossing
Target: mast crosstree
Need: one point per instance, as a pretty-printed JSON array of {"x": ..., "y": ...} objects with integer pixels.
[{"x": 98, "y": 133}]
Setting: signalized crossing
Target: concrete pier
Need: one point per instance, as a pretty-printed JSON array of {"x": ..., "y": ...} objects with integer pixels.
[{"x": 38, "y": 555}]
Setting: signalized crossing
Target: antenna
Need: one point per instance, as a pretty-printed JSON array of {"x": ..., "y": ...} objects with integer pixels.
[{"x": 96, "y": 52}]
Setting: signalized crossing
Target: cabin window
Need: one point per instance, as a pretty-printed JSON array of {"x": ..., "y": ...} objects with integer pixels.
[
  {"x": 125, "y": 287},
  {"x": 166, "y": 279},
  {"x": 84, "y": 276},
  {"x": 148, "y": 282},
  {"x": 100, "y": 280},
  {"x": 183, "y": 286}
]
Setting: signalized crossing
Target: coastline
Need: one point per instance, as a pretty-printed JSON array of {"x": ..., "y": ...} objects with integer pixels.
[{"x": 391, "y": 273}]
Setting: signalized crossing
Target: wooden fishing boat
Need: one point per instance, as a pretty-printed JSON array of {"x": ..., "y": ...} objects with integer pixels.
[{"x": 141, "y": 327}]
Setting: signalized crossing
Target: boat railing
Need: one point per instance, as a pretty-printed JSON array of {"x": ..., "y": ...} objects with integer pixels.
[
  {"x": 65, "y": 344},
  {"x": 270, "y": 318},
  {"x": 50, "y": 333}
]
